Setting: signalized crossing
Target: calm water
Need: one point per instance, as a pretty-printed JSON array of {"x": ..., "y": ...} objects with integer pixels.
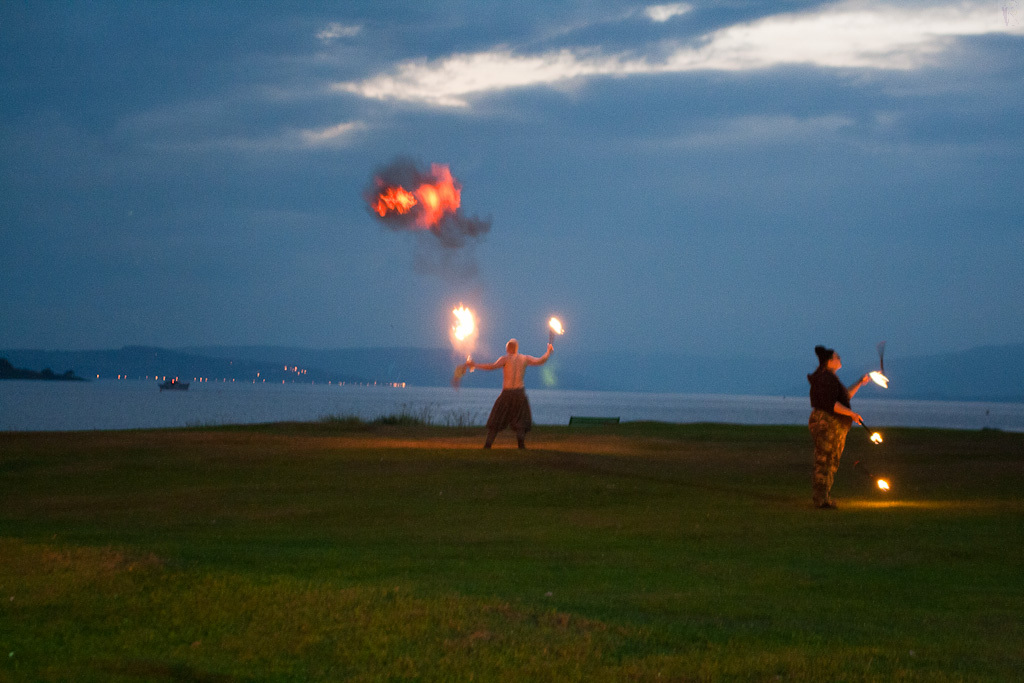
[{"x": 109, "y": 404}]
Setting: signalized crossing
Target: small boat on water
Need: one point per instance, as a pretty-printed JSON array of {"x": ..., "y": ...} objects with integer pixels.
[{"x": 173, "y": 385}]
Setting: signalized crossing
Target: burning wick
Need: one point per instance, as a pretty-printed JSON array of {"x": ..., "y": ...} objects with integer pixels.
[
  {"x": 556, "y": 328},
  {"x": 876, "y": 437}
]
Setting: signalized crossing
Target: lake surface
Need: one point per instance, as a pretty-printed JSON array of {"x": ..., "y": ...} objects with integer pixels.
[{"x": 133, "y": 404}]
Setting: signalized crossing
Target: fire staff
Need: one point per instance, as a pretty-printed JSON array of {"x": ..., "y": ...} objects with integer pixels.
[
  {"x": 831, "y": 417},
  {"x": 512, "y": 408}
]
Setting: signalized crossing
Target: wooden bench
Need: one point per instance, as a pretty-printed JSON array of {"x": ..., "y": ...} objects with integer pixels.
[{"x": 577, "y": 420}]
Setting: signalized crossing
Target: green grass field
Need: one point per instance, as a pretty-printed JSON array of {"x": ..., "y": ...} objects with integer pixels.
[{"x": 344, "y": 551}]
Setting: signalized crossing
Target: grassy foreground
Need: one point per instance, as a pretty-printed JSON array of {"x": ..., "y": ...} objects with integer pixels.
[{"x": 344, "y": 551}]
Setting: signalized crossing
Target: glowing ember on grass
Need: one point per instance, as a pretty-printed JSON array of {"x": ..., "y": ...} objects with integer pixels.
[{"x": 882, "y": 484}]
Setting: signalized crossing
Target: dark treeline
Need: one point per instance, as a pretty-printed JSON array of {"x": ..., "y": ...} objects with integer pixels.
[{"x": 8, "y": 371}]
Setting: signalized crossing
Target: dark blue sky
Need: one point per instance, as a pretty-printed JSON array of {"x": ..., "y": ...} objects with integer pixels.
[{"x": 722, "y": 178}]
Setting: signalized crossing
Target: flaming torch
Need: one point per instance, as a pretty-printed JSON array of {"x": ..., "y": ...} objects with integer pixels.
[
  {"x": 882, "y": 484},
  {"x": 878, "y": 376},
  {"x": 463, "y": 337},
  {"x": 554, "y": 327}
]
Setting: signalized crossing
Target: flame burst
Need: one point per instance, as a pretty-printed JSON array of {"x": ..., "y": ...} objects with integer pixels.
[
  {"x": 883, "y": 485},
  {"x": 556, "y": 326},
  {"x": 405, "y": 197},
  {"x": 876, "y": 438},
  {"x": 435, "y": 199},
  {"x": 879, "y": 379},
  {"x": 463, "y": 335},
  {"x": 465, "y": 325}
]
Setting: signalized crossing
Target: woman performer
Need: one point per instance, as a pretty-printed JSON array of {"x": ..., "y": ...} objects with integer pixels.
[
  {"x": 511, "y": 409},
  {"x": 830, "y": 421}
]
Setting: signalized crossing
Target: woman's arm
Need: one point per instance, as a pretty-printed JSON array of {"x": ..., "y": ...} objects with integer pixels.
[
  {"x": 840, "y": 409},
  {"x": 856, "y": 387}
]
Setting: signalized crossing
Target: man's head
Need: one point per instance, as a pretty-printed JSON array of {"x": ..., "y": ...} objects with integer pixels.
[{"x": 512, "y": 346}]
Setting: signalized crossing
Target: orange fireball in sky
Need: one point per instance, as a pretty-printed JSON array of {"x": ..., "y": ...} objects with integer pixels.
[
  {"x": 429, "y": 202},
  {"x": 405, "y": 197},
  {"x": 394, "y": 199}
]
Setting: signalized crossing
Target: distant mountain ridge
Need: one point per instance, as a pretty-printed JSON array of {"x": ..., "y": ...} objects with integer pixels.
[{"x": 991, "y": 373}]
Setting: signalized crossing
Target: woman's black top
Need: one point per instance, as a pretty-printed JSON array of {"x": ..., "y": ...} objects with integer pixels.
[{"x": 827, "y": 390}]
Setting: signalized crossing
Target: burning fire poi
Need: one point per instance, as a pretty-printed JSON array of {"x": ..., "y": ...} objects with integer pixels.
[
  {"x": 876, "y": 437},
  {"x": 882, "y": 484},
  {"x": 404, "y": 197}
]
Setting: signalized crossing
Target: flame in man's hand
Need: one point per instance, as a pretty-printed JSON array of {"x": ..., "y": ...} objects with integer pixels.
[{"x": 465, "y": 325}]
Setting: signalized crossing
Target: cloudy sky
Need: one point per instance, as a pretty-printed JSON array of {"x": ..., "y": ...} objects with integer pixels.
[{"x": 717, "y": 178}]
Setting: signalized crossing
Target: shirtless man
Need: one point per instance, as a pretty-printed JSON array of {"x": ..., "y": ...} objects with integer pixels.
[{"x": 511, "y": 409}]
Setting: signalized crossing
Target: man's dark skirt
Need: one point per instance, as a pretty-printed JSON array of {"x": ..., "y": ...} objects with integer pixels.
[{"x": 511, "y": 409}]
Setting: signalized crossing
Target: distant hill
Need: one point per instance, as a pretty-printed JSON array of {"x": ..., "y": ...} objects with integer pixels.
[{"x": 994, "y": 373}]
